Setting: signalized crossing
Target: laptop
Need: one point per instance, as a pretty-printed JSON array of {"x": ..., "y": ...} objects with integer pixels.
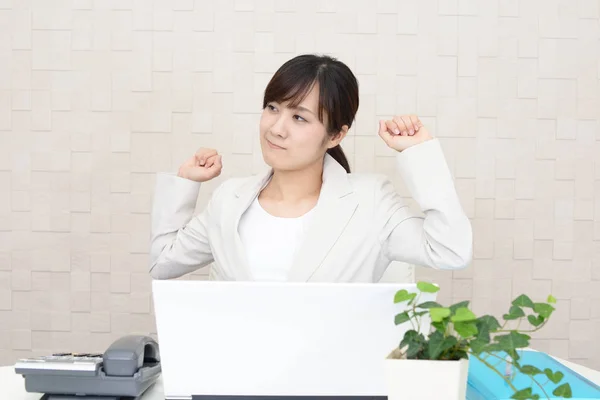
[{"x": 278, "y": 340}]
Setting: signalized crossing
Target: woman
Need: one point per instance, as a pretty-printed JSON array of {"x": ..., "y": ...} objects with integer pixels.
[{"x": 309, "y": 218}]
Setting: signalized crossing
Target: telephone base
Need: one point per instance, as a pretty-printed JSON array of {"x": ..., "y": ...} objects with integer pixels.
[{"x": 74, "y": 397}]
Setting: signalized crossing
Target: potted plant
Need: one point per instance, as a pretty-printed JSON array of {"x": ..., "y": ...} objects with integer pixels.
[{"x": 432, "y": 360}]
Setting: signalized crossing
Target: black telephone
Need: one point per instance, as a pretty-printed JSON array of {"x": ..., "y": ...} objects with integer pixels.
[{"x": 126, "y": 369}]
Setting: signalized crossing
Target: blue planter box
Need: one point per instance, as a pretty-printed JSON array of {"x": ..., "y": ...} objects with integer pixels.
[{"x": 485, "y": 384}]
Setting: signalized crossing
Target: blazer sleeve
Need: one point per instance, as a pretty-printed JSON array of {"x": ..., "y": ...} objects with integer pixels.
[
  {"x": 179, "y": 240},
  {"x": 443, "y": 238}
]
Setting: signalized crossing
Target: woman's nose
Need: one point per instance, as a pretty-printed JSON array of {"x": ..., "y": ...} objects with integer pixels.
[{"x": 278, "y": 128}]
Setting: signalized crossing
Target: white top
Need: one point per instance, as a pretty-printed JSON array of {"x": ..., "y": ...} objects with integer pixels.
[{"x": 271, "y": 242}]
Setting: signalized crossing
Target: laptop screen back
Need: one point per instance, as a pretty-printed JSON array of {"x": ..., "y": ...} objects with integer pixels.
[{"x": 276, "y": 339}]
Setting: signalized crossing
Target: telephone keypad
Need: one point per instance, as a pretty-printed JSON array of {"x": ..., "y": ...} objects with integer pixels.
[{"x": 64, "y": 362}]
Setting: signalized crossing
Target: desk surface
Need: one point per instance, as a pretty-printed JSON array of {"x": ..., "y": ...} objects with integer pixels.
[{"x": 12, "y": 385}]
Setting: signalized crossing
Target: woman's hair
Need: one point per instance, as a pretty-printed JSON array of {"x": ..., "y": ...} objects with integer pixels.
[{"x": 338, "y": 92}]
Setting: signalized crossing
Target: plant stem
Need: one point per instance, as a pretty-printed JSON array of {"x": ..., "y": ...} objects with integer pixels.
[
  {"x": 540, "y": 386},
  {"x": 411, "y": 320},
  {"x": 498, "y": 357},
  {"x": 496, "y": 371},
  {"x": 415, "y": 310},
  {"x": 533, "y": 380},
  {"x": 521, "y": 331}
]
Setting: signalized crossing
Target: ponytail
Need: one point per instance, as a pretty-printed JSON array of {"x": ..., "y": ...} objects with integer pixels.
[{"x": 338, "y": 155}]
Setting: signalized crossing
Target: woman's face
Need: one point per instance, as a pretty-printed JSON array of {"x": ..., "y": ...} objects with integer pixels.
[{"x": 294, "y": 138}]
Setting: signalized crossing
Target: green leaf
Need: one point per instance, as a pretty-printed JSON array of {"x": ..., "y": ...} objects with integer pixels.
[
  {"x": 465, "y": 329},
  {"x": 421, "y": 354},
  {"x": 485, "y": 325},
  {"x": 415, "y": 342},
  {"x": 455, "y": 354},
  {"x": 545, "y": 310},
  {"x": 488, "y": 321},
  {"x": 478, "y": 345},
  {"x": 414, "y": 348},
  {"x": 515, "y": 312},
  {"x": 462, "y": 304},
  {"x": 551, "y": 299},
  {"x": 440, "y": 326},
  {"x": 429, "y": 304},
  {"x": 462, "y": 315},
  {"x": 438, "y": 314},
  {"x": 493, "y": 347},
  {"x": 513, "y": 340},
  {"x": 523, "y": 394},
  {"x": 409, "y": 336},
  {"x": 403, "y": 295},
  {"x": 514, "y": 355},
  {"x": 530, "y": 370},
  {"x": 412, "y": 351},
  {"x": 401, "y": 318},
  {"x": 523, "y": 301},
  {"x": 535, "y": 321},
  {"x": 555, "y": 377},
  {"x": 563, "y": 391},
  {"x": 438, "y": 344},
  {"x": 427, "y": 287}
]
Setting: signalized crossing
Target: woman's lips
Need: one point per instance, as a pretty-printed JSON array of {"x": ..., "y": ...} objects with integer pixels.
[{"x": 274, "y": 146}]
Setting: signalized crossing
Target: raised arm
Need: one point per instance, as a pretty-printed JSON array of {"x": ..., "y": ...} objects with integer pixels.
[
  {"x": 179, "y": 240},
  {"x": 443, "y": 238}
]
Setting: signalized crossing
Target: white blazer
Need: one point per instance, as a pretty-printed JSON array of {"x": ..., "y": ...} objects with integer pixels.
[{"x": 360, "y": 224}]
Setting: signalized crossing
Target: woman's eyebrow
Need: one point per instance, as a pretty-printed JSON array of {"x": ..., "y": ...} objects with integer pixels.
[{"x": 303, "y": 109}]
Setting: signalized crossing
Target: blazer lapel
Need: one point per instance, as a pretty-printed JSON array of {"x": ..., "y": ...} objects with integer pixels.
[
  {"x": 334, "y": 209},
  {"x": 245, "y": 195}
]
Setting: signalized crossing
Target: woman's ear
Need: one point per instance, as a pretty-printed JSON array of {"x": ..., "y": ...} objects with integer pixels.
[{"x": 337, "y": 139}]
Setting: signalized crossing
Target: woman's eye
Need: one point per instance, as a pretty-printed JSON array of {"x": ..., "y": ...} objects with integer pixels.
[
  {"x": 299, "y": 118},
  {"x": 271, "y": 107}
]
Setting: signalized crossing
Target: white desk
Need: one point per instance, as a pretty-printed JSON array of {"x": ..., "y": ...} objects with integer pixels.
[{"x": 12, "y": 386}]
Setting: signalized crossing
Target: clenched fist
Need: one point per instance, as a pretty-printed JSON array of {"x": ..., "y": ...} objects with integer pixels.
[
  {"x": 202, "y": 166},
  {"x": 403, "y": 131}
]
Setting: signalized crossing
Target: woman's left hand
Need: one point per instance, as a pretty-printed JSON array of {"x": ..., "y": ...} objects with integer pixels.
[{"x": 403, "y": 131}]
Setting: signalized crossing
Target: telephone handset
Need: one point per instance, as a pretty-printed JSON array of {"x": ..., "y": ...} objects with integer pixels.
[
  {"x": 127, "y": 368},
  {"x": 130, "y": 353}
]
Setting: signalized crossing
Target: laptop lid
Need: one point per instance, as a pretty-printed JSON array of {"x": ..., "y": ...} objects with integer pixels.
[{"x": 276, "y": 339}]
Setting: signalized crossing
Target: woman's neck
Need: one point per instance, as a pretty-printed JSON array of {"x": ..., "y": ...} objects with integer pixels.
[{"x": 295, "y": 186}]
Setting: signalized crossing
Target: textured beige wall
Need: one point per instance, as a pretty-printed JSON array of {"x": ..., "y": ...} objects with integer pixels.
[{"x": 97, "y": 96}]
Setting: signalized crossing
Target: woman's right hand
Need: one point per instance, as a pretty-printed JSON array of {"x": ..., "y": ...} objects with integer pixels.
[{"x": 202, "y": 166}]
